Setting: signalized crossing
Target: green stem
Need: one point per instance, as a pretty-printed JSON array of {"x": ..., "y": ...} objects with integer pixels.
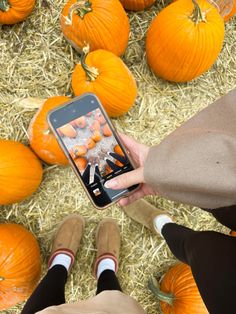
[
  {"x": 91, "y": 72},
  {"x": 4, "y": 5},
  {"x": 197, "y": 15},
  {"x": 154, "y": 286},
  {"x": 81, "y": 8}
]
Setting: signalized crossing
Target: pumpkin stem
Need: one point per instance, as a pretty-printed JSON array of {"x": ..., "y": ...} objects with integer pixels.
[
  {"x": 2, "y": 278},
  {"x": 91, "y": 72},
  {"x": 4, "y": 5},
  {"x": 154, "y": 286},
  {"x": 47, "y": 131},
  {"x": 197, "y": 15},
  {"x": 81, "y": 8}
]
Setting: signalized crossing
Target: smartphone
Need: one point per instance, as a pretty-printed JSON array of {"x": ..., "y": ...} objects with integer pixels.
[{"x": 88, "y": 139}]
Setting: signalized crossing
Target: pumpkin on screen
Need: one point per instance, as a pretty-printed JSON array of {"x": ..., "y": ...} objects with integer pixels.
[
  {"x": 41, "y": 138},
  {"x": 184, "y": 40},
  {"x": 178, "y": 292},
  {"x": 20, "y": 264},
  {"x": 14, "y": 11},
  {"x": 103, "y": 73},
  {"x": 20, "y": 172},
  {"x": 136, "y": 5},
  {"x": 99, "y": 23}
]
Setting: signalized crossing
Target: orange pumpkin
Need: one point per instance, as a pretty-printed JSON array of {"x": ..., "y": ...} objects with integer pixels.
[
  {"x": 233, "y": 233},
  {"x": 20, "y": 264},
  {"x": 90, "y": 143},
  {"x": 106, "y": 130},
  {"x": 108, "y": 170},
  {"x": 104, "y": 74},
  {"x": 177, "y": 288},
  {"x": 96, "y": 136},
  {"x": 100, "y": 117},
  {"x": 118, "y": 150},
  {"x": 232, "y": 12},
  {"x": 80, "y": 150},
  {"x": 81, "y": 163},
  {"x": 14, "y": 11},
  {"x": 95, "y": 126},
  {"x": 81, "y": 122},
  {"x": 20, "y": 172},
  {"x": 137, "y": 5},
  {"x": 68, "y": 131},
  {"x": 99, "y": 23},
  {"x": 42, "y": 140},
  {"x": 175, "y": 50}
]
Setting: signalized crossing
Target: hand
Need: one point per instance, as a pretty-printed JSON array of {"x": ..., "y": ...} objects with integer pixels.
[{"x": 138, "y": 153}]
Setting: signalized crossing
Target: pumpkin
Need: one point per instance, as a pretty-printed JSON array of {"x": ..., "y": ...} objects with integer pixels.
[
  {"x": 20, "y": 172},
  {"x": 96, "y": 136},
  {"x": 100, "y": 117},
  {"x": 42, "y": 140},
  {"x": 233, "y": 233},
  {"x": 80, "y": 150},
  {"x": 20, "y": 264},
  {"x": 108, "y": 170},
  {"x": 81, "y": 122},
  {"x": 106, "y": 130},
  {"x": 178, "y": 292},
  {"x": 81, "y": 163},
  {"x": 90, "y": 143},
  {"x": 104, "y": 74},
  {"x": 99, "y": 23},
  {"x": 137, "y": 5},
  {"x": 68, "y": 130},
  {"x": 175, "y": 50},
  {"x": 228, "y": 16},
  {"x": 14, "y": 11},
  {"x": 117, "y": 149},
  {"x": 95, "y": 126}
]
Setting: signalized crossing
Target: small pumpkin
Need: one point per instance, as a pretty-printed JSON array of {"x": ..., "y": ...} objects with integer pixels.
[
  {"x": 90, "y": 143},
  {"x": 95, "y": 126},
  {"x": 99, "y": 23},
  {"x": 104, "y": 74},
  {"x": 81, "y": 122},
  {"x": 80, "y": 150},
  {"x": 20, "y": 172},
  {"x": 108, "y": 170},
  {"x": 42, "y": 140},
  {"x": 175, "y": 51},
  {"x": 177, "y": 288},
  {"x": 118, "y": 150},
  {"x": 100, "y": 117},
  {"x": 14, "y": 11},
  {"x": 106, "y": 130},
  {"x": 20, "y": 264},
  {"x": 81, "y": 163},
  {"x": 96, "y": 136},
  {"x": 68, "y": 131},
  {"x": 137, "y": 5}
]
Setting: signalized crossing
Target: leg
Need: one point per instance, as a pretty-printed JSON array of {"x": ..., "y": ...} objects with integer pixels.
[
  {"x": 225, "y": 215},
  {"x": 108, "y": 246},
  {"x": 54, "y": 282}
]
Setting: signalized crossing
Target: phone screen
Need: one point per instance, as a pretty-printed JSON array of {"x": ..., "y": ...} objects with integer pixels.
[{"x": 93, "y": 147}]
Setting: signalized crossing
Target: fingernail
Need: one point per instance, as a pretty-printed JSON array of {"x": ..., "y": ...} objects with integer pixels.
[{"x": 110, "y": 184}]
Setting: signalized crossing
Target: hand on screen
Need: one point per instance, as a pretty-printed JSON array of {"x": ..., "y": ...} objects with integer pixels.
[{"x": 138, "y": 153}]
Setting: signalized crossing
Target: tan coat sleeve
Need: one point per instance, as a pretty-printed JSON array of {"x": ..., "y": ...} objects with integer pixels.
[{"x": 196, "y": 164}]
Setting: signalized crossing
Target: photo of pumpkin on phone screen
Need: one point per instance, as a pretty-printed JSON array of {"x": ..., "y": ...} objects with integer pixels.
[{"x": 92, "y": 146}]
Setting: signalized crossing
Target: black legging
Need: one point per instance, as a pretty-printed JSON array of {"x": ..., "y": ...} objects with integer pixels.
[
  {"x": 212, "y": 258},
  {"x": 51, "y": 290}
]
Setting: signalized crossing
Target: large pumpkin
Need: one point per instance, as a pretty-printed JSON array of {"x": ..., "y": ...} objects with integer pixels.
[
  {"x": 178, "y": 293},
  {"x": 42, "y": 140},
  {"x": 20, "y": 264},
  {"x": 136, "y": 5},
  {"x": 184, "y": 40},
  {"x": 103, "y": 73},
  {"x": 99, "y": 23},
  {"x": 14, "y": 11},
  {"x": 20, "y": 172}
]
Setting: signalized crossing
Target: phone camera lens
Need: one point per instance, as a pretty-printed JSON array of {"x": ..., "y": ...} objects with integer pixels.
[{"x": 92, "y": 101}]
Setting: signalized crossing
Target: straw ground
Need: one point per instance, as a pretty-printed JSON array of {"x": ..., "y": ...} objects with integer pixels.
[{"x": 36, "y": 61}]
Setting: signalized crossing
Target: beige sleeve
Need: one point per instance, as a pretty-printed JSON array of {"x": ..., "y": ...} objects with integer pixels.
[{"x": 196, "y": 164}]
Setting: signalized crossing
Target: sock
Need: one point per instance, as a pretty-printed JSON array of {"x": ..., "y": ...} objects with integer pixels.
[
  {"x": 104, "y": 264},
  {"x": 61, "y": 259},
  {"x": 160, "y": 221}
]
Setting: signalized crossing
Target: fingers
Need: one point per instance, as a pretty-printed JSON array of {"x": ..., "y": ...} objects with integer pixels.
[
  {"x": 132, "y": 198},
  {"x": 126, "y": 180}
]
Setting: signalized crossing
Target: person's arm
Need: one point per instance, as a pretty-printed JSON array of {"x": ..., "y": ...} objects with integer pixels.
[{"x": 195, "y": 164}]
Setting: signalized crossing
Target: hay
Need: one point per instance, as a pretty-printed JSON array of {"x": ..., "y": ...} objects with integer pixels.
[{"x": 36, "y": 61}]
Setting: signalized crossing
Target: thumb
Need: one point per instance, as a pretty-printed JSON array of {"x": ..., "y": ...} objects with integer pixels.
[{"x": 126, "y": 180}]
